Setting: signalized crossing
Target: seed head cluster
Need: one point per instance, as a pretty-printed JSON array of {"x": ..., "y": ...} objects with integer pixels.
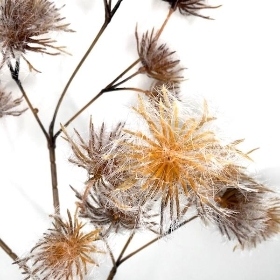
[{"x": 175, "y": 161}]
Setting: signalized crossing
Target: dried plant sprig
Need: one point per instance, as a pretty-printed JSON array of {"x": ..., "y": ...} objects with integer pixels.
[
  {"x": 178, "y": 157},
  {"x": 8, "y": 105},
  {"x": 92, "y": 155},
  {"x": 113, "y": 211},
  {"x": 190, "y": 7},
  {"x": 157, "y": 60},
  {"x": 65, "y": 252},
  {"x": 24, "y": 25}
]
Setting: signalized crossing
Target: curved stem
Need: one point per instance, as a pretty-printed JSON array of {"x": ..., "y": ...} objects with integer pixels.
[{"x": 108, "y": 16}]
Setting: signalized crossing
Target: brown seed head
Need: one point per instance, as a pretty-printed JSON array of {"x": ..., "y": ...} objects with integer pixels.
[
  {"x": 190, "y": 7},
  {"x": 24, "y": 25},
  {"x": 157, "y": 60},
  {"x": 65, "y": 252},
  {"x": 246, "y": 211},
  {"x": 179, "y": 156},
  {"x": 113, "y": 211},
  {"x": 91, "y": 155}
]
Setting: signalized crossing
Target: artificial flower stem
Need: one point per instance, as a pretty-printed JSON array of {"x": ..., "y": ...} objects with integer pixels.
[
  {"x": 8, "y": 250},
  {"x": 33, "y": 110},
  {"x": 115, "y": 267},
  {"x": 124, "y": 72},
  {"x": 164, "y": 23},
  {"x": 102, "y": 29},
  {"x": 108, "y": 88},
  {"x": 154, "y": 240}
]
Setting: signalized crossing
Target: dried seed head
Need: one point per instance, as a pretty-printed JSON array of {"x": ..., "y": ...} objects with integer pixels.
[
  {"x": 92, "y": 155},
  {"x": 190, "y": 7},
  {"x": 7, "y": 105},
  {"x": 157, "y": 60},
  {"x": 245, "y": 211},
  {"x": 111, "y": 210},
  {"x": 65, "y": 252},
  {"x": 178, "y": 156},
  {"x": 24, "y": 25}
]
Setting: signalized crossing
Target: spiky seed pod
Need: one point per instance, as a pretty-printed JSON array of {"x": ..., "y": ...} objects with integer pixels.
[
  {"x": 91, "y": 155},
  {"x": 24, "y": 25},
  {"x": 249, "y": 212},
  {"x": 8, "y": 105},
  {"x": 179, "y": 155},
  {"x": 157, "y": 60},
  {"x": 113, "y": 211},
  {"x": 190, "y": 7},
  {"x": 65, "y": 252}
]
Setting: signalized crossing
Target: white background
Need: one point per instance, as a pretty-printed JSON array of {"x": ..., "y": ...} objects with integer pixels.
[{"x": 233, "y": 62}]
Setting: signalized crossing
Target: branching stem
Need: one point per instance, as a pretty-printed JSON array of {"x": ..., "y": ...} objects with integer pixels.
[{"x": 120, "y": 260}]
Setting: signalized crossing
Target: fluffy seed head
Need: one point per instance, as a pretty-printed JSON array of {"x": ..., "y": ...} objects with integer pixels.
[
  {"x": 24, "y": 25},
  {"x": 179, "y": 156},
  {"x": 65, "y": 252},
  {"x": 247, "y": 212}
]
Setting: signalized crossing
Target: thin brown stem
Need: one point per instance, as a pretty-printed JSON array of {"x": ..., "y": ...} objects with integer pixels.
[
  {"x": 115, "y": 267},
  {"x": 124, "y": 72},
  {"x": 125, "y": 247},
  {"x": 8, "y": 250},
  {"x": 132, "y": 89},
  {"x": 108, "y": 16},
  {"x": 164, "y": 23},
  {"x": 108, "y": 88},
  {"x": 55, "y": 193},
  {"x": 127, "y": 79},
  {"x": 33, "y": 110},
  {"x": 110, "y": 252},
  {"x": 155, "y": 239}
]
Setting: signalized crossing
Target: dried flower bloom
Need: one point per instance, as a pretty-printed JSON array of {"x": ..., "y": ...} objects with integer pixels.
[
  {"x": 178, "y": 157},
  {"x": 113, "y": 211},
  {"x": 157, "y": 60},
  {"x": 7, "y": 105},
  {"x": 65, "y": 252},
  {"x": 92, "y": 155},
  {"x": 247, "y": 212},
  {"x": 190, "y": 7},
  {"x": 24, "y": 25}
]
